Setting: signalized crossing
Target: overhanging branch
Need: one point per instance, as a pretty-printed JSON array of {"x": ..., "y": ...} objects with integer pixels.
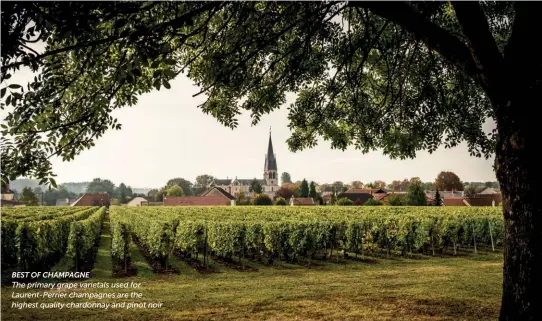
[{"x": 434, "y": 37}]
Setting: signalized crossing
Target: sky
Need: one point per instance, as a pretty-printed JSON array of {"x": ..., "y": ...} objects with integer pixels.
[{"x": 166, "y": 136}]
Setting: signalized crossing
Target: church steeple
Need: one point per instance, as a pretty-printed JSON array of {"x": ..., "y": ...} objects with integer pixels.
[{"x": 270, "y": 167}]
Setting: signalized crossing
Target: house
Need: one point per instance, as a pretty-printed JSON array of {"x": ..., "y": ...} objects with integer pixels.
[
  {"x": 485, "y": 199},
  {"x": 197, "y": 201},
  {"x": 220, "y": 192},
  {"x": 454, "y": 201},
  {"x": 93, "y": 199},
  {"x": 302, "y": 201},
  {"x": 489, "y": 191},
  {"x": 137, "y": 201}
]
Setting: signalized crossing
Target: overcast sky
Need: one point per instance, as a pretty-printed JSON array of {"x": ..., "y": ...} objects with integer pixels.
[{"x": 167, "y": 136}]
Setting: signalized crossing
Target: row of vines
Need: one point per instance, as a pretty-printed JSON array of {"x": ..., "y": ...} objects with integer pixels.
[
  {"x": 35, "y": 238},
  {"x": 290, "y": 233}
]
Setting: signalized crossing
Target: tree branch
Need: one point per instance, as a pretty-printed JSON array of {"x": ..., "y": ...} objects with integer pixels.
[
  {"x": 484, "y": 49},
  {"x": 434, "y": 37},
  {"x": 172, "y": 23}
]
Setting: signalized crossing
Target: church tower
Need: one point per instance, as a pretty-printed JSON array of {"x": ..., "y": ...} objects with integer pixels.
[{"x": 270, "y": 168}]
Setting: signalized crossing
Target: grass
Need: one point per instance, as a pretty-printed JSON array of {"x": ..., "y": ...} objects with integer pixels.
[
  {"x": 467, "y": 287},
  {"x": 463, "y": 288}
]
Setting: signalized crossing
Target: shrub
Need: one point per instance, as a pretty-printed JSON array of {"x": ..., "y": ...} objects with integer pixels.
[
  {"x": 344, "y": 202},
  {"x": 373, "y": 202},
  {"x": 262, "y": 199},
  {"x": 280, "y": 201},
  {"x": 396, "y": 200}
]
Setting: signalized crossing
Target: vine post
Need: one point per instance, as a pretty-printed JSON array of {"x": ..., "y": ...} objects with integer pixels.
[
  {"x": 491, "y": 235},
  {"x": 474, "y": 236}
]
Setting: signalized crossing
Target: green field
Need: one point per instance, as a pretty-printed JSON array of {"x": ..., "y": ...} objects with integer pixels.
[{"x": 401, "y": 280}]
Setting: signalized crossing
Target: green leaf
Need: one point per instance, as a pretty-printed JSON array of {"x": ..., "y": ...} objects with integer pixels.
[
  {"x": 170, "y": 61},
  {"x": 166, "y": 84},
  {"x": 3, "y": 92},
  {"x": 14, "y": 86},
  {"x": 53, "y": 182},
  {"x": 155, "y": 64},
  {"x": 169, "y": 73}
]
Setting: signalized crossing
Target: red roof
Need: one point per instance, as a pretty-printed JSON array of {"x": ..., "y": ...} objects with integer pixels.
[
  {"x": 366, "y": 190},
  {"x": 454, "y": 201},
  {"x": 303, "y": 201},
  {"x": 195, "y": 201},
  {"x": 95, "y": 199}
]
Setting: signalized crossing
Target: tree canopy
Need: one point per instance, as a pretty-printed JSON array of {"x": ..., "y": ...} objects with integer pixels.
[
  {"x": 448, "y": 181},
  {"x": 99, "y": 185},
  {"x": 183, "y": 183},
  {"x": 285, "y": 178},
  {"x": 175, "y": 190},
  {"x": 350, "y": 63},
  {"x": 399, "y": 77}
]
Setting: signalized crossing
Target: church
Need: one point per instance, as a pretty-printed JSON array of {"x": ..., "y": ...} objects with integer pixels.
[{"x": 269, "y": 183}]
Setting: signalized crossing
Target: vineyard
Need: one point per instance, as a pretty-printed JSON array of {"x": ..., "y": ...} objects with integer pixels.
[
  {"x": 37, "y": 237},
  {"x": 270, "y": 260},
  {"x": 266, "y": 234},
  {"x": 41, "y": 236}
]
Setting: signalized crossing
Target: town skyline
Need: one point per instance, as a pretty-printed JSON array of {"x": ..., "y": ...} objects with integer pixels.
[{"x": 165, "y": 136}]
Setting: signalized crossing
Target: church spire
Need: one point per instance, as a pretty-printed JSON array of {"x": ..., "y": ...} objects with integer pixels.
[{"x": 270, "y": 161}]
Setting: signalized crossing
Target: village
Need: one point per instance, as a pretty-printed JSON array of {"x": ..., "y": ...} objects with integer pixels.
[{"x": 447, "y": 190}]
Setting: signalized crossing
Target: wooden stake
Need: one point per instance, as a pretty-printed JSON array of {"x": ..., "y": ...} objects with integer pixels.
[
  {"x": 474, "y": 235},
  {"x": 491, "y": 235}
]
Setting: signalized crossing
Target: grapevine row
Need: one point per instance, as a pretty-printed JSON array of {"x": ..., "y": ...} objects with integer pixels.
[
  {"x": 310, "y": 232},
  {"x": 35, "y": 243}
]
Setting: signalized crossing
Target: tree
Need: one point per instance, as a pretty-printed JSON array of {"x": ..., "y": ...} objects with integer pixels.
[
  {"x": 380, "y": 184},
  {"x": 396, "y": 200},
  {"x": 357, "y": 184},
  {"x": 175, "y": 190},
  {"x": 448, "y": 181},
  {"x": 370, "y": 185},
  {"x": 255, "y": 187},
  {"x": 455, "y": 65},
  {"x": 304, "y": 190},
  {"x": 99, "y": 185},
  {"x": 438, "y": 200},
  {"x": 183, "y": 183},
  {"x": 281, "y": 201},
  {"x": 416, "y": 194},
  {"x": 312, "y": 191},
  {"x": 344, "y": 201},
  {"x": 285, "y": 178},
  {"x": 428, "y": 186},
  {"x": 294, "y": 187},
  {"x": 333, "y": 198},
  {"x": 152, "y": 195},
  {"x": 372, "y": 202},
  {"x": 122, "y": 193},
  {"x": 395, "y": 185},
  {"x": 242, "y": 199},
  {"x": 285, "y": 193},
  {"x": 202, "y": 183},
  {"x": 160, "y": 195},
  {"x": 470, "y": 190},
  {"x": 28, "y": 197},
  {"x": 262, "y": 199}
]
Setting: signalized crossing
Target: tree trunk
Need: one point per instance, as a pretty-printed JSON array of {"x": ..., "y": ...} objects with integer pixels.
[{"x": 517, "y": 168}]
